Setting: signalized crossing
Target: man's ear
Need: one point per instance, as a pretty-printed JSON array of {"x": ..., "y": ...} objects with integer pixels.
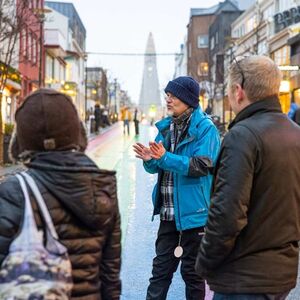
[{"x": 240, "y": 93}]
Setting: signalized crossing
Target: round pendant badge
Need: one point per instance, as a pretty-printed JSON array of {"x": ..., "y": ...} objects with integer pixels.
[{"x": 178, "y": 251}]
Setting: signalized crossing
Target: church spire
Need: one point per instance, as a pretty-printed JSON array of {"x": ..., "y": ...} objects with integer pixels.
[{"x": 150, "y": 96}]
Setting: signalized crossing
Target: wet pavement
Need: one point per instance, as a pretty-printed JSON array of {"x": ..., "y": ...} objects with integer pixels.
[
  {"x": 113, "y": 150},
  {"x": 134, "y": 191}
]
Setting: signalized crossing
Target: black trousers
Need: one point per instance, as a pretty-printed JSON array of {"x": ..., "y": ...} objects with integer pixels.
[
  {"x": 165, "y": 263},
  {"x": 136, "y": 127}
]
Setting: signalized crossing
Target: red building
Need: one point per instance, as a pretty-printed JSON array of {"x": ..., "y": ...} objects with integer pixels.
[{"x": 31, "y": 53}]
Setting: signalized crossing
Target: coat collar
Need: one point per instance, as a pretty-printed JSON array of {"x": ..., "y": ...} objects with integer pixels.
[
  {"x": 269, "y": 104},
  {"x": 197, "y": 116}
]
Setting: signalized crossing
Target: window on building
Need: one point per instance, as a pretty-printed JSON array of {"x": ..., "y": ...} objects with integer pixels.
[
  {"x": 235, "y": 33},
  {"x": 202, "y": 69},
  {"x": 242, "y": 30},
  {"x": 202, "y": 41},
  {"x": 268, "y": 12},
  {"x": 282, "y": 56},
  {"x": 190, "y": 50},
  {"x": 29, "y": 55},
  {"x": 276, "y": 6},
  {"x": 212, "y": 43},
  {"x": 24, "y": 42},
  {"x": 250, "y": 24},
  {"x": 262, "y": 48},
  {"x": 49, "y": 63},
  {"x": 34, "y": 42}
]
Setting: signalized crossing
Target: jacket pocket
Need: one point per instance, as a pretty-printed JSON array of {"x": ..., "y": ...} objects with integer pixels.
[{"x": 191, "y": 201}]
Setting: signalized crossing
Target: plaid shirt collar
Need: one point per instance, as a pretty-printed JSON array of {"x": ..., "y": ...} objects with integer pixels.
[{"x": 181, "y": 119}]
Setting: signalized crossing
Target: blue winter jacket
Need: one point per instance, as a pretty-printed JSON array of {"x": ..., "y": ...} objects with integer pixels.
[{"x": 191, "y": 188}]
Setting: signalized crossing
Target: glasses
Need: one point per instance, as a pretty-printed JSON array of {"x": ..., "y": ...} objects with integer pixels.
[
  {"x": 241, "y": 71},
  {"x": 170, "y": 96}
]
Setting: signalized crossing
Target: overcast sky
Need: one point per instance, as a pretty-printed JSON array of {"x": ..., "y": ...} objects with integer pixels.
[{"x": 124, "y": 25}]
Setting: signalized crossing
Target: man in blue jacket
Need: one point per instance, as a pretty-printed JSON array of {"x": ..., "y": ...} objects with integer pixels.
[{"x": 183, "y": 155}]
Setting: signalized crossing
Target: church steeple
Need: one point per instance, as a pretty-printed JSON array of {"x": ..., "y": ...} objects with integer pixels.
[{"x": 150, "y": 95}]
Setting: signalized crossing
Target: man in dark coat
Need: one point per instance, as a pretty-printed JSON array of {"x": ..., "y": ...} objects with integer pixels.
[
  {"x": 97, "y": 114},
  {"x": 250, "y": 247},
  {"x": 81, "y": 199}
]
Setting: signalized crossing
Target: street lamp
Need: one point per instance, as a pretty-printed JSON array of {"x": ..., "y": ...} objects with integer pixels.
[
  {"x": 85, "y": 87},
  {"x": 41, "y": 14},
  {"x": 115, "y": 87}
]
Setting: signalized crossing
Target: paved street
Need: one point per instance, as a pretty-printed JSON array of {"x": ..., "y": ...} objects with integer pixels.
[{"x": 113, "y": 150}]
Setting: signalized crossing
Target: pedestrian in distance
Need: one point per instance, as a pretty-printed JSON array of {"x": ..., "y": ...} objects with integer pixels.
[
  {"x": 82, "y": 199},
  {"x": 97, "y": 114},
  {"x": 250, "y": 248},
  {"x": 126, "y": 118},
  {"x": 183, "y": 155},
  {"x": 136, "y": 120}
]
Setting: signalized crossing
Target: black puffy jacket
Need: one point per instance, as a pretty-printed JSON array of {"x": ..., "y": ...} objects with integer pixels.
[
  {"x": 253, "y": 228},
  {"x": 82, "y": 201}
]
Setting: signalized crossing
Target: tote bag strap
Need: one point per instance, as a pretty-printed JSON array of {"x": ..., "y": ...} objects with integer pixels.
[
  {"x": 28, "y": 220},
  {"x": 41, "y": 203}
]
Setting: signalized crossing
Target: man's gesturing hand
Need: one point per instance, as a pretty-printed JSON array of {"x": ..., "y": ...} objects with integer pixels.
[
  {"x": 142, "y": 152},
  {"x": 157, "y": 150}
]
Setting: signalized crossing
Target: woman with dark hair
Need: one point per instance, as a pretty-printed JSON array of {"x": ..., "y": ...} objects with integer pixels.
[{"x": 82, "y": 199}]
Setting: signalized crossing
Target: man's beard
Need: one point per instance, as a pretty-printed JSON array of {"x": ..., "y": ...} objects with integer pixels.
[{"x": 170, "y": 113}]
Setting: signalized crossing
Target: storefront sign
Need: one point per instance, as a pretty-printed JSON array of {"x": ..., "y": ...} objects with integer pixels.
[
  {"x": 286, "y": 18},
  {"x": 289, "y": 68}
]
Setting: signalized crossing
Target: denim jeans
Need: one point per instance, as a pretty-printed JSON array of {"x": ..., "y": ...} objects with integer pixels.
[{"x": 280, "y": 296}]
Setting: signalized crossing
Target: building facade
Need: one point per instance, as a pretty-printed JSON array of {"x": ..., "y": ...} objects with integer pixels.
[
  {"x": 97, "y": 87},
  {"x": 219, "y": 36},
  {"x": 31, "y": 46},
  {"x": 270, "y": 27},
  {"x": 198, "y": 42},
  {"x": 56, "y": 43},
  {"x": 75, "y": 58}
]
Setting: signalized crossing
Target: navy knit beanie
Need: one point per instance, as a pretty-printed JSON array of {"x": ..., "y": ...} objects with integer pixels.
[{"x": 186, "y": 89}]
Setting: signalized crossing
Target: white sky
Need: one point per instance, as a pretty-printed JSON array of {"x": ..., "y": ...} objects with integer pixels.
[{"x": 124, "y": 25}]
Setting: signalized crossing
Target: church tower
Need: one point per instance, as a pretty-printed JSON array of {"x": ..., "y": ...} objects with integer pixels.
[{"x": 150, "y": 101}]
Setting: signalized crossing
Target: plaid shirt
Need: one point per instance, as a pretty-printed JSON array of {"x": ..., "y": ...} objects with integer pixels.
[{"x": 178, "y": 129}]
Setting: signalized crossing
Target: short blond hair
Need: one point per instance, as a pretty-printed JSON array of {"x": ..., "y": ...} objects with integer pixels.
[{"x": 262, "y": 76}]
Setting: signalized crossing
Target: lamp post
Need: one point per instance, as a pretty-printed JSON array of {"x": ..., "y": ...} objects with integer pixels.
[
  {"x": 41, "y": 14},
  {"x": 85, "y": 88},
  {"x": 115, "y": 88}
]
